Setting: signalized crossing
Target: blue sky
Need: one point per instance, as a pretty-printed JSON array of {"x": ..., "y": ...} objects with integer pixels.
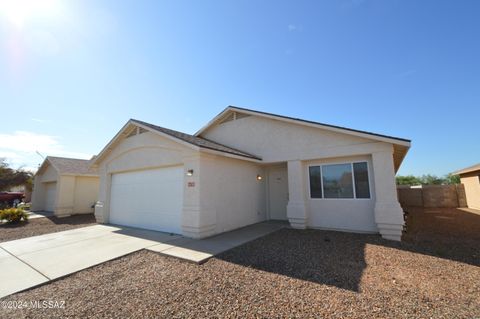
[{"x": 73, "y": 72}]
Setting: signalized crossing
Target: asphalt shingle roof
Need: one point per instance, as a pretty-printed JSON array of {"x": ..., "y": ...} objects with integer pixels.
[
  {"x": 198, "y": 141},
  {"x": 72, "y": 166}
]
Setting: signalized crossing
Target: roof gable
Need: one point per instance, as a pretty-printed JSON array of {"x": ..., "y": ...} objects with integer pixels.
[
  {"x": 236, "y": 112},
  {"x": 198, "y": 141},
  {"x": 68, "y": 166},
  {"x": 225, "y": 128},
  {"x": 185, "y": 139}
]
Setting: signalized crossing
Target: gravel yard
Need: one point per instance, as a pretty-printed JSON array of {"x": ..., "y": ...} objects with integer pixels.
[
  {"x": 44, "y": 225},
  {"x": 434, "y": 273}
]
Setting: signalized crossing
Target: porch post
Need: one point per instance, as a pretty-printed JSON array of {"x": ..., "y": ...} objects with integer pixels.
[
  {"x": 388, "y": 212},
  {"x": 296, "y": 208}
]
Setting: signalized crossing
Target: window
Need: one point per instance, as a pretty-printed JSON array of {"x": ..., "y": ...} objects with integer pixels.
[
  {"x": 315, "y": 182},
  {"x": 337, "y": 181},
  {"x": 348, "y": 180},
  {"x": 360, "y": 172}
]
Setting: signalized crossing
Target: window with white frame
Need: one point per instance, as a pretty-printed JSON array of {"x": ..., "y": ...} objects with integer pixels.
[{"x": 346, "y": 180}]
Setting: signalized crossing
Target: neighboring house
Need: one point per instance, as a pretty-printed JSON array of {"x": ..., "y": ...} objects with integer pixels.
[
  {"x": 245, "y": 167},
  {"x": 65, "y": 186},
  {"x": 470, "y": 178}
]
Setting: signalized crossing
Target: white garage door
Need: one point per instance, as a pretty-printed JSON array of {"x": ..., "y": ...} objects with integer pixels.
[
  {"x": 50, "y": 192},
  {"x": 150, "y": 199}
]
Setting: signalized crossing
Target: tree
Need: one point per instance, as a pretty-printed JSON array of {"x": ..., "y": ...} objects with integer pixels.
[
  {"x": 452, "y": 179},
  {"x": 10, "y": 177},
  {"x": 408, "y": 180},
  {"x": 428, "y": 179},
  {"x": 431, "y": 180}
]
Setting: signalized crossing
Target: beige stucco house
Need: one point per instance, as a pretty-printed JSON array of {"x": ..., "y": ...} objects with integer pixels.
[
  {"x": 245, "y": 167},
  {"x": 470, "y": 178},
  {"x": 65, "y": 186}
]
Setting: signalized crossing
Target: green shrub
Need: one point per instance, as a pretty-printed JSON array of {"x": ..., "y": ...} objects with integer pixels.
[
  {"x": 24, "y": 206},
  {"x": 13, "y": 215}
]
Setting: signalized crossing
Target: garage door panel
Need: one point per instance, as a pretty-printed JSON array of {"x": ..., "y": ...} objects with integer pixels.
[
  {"x": 50, "y": 195},
  {"x": 150, "y": 199}
]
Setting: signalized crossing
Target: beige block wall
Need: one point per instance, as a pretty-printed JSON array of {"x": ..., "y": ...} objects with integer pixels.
[
  {"x": 471, "y": 182},
  {"x": 440, "y": 196},
  {"x": 410, "y": 197},
  {"x": 432, "y": 196}
]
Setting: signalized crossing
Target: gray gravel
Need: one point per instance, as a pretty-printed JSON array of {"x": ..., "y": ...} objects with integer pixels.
[
  {"x": 288, "y": 273},
  {"x": 44, "y": 225}
]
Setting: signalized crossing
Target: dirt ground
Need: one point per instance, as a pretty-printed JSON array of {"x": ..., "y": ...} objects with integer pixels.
[{"x": 433, "y": 273}]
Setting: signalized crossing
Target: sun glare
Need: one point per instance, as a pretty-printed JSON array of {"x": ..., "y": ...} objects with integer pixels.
[{"x": 18, "y": 12}]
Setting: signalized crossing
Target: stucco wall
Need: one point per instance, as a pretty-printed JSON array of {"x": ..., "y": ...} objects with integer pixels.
[
  {"x": 222, "y": 194},
  {"x": 231, "y": 188},
  {"x": 86, "y": 194},
  {"x": 472, "y": 189},
  {"x": 49, "y": 175},
  {"x": 342, "y": 214},
  {"x": 276, "y": 141},
  {"x": 73, "y": 195}
]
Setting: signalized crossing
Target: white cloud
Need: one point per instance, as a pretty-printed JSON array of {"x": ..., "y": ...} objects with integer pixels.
[
  {"x": 294, "y": 27},
  {"x": 406, "y": 73},
  {"x": 38, "y": 120},
  {"x": 21, "y": 147}
]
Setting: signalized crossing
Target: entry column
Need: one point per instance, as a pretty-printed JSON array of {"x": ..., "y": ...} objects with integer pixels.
[
  {"x": 296, "y": 208},
  {"x": 388, "y": 212}
]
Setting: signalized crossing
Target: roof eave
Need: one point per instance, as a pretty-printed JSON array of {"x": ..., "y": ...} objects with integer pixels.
[
  {"x": 44, "y": 164},
  {"x": 466, "y": 171},
  {"x": 231, "y": 155}
]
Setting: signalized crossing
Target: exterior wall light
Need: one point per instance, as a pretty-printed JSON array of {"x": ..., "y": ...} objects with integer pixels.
[
  {"x": 190, "y": 172},
  {"x": 259, "y": 177}
]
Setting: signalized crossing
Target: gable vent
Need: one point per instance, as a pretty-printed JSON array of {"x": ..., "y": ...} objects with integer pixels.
[
  {"x": 136, "y": 131},
  {"x": 132, "y": 133},
  {"x": 232, "y": 116}
]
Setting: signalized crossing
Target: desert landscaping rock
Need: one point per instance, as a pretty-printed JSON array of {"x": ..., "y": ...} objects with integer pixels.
[
  {"x": 290, "y": 273},
  {"x": 44, "y": 225}
]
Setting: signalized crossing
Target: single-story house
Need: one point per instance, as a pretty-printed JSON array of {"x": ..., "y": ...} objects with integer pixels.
[
  {"x": 65, "y": 186},
  {"x": 470, "y": 178},
  {"x": 245, "y": 167}
]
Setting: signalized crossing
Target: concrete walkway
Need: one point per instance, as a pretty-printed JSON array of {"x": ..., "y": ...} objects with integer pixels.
[
  {"x": 29, "y": 262},
  {"x": 33, "y": 215},
  {"x": 199, "y": 251}
]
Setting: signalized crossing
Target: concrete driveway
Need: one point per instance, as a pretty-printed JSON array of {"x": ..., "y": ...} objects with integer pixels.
[{"x": 32, "y": 261}]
